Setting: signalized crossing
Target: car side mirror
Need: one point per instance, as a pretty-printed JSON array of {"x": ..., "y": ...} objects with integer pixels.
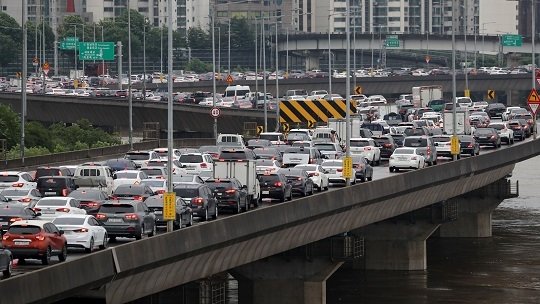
[
  {"x": 8, "y": 199},
  {"x": 61, "y": 232},
  {"x": 38, "y": 213}
]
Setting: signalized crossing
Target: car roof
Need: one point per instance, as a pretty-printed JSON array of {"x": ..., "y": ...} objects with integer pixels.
[
  {"x": 127, "y": 171},
  {"x": 75, "y": 215},
  {"x": 39, "y": 223}
]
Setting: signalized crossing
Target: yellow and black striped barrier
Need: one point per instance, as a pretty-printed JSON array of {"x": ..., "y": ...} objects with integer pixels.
[{"x": 319, "y": 110}]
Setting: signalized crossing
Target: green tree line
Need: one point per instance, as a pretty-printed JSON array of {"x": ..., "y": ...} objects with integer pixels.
[{"x": 58, "y": 137}]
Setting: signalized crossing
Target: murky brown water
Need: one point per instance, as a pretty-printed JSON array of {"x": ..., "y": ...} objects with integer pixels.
[{"x": 502, "y": 269}]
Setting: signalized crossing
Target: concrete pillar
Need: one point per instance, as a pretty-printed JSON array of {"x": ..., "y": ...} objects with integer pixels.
[
  {"x": 312, "y": 61},
  {"x": 292, "y": 280},
  {"x": 395, "y": 245}
]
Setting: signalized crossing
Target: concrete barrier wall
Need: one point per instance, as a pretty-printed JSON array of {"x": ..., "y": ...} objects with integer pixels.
[{"x": 154, "y": 264}]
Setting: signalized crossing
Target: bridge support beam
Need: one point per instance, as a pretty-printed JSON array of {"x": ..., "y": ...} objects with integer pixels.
[
  {"x": 312, "y": 61},
  {"x": 474, "y": 210},
  {"x": 277, "y": 279},
  {"x": 395, "y": 245}
]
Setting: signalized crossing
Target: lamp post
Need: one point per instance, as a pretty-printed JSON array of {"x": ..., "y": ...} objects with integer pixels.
[
  {"x": 219, "y": 51},
  {"x": 229, "y": 49},
  {"x": 533, "y": 61},
  {"x": 214, "y": 91},
  {"x": 348, "y": 90},
  {"x": 465, "y": 23},
  {"x": 24, "y": 75},
  {"x": 170, "y": 226},
  {"x": 130, "y": 98},
  {"x": 329, "y": 59},
  {"x": 454, "y": 92},
  {"x": 144, "y": 58},
  {"x": 264, "y": 77},
  {"x": 483, "y": 41}
]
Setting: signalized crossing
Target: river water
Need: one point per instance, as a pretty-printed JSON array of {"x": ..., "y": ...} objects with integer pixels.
[{"x": 498, "y": 270}]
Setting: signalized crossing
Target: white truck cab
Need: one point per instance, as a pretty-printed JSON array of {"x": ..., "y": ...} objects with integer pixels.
[{"x": 94, "y": 176}]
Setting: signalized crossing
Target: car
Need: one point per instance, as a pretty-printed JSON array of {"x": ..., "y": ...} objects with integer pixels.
[
  {"x": 236, "y": 154},
  {"x": 212, "y": 150},
  {"x": 363, "y": 170},
  {"x": 195, "y": 163},
  {"x": 56, "y": 185},
  {"x": 517, "y": 128},
  {"x": 177, "y": 167},
  {"x": 317, "y": 174},
  {"x": 443, "y": 144},
  {"x": 10, "y": 213},
  {"x": 495, "y": 109},
  {"x": 468, "y": 145},
  {"x": 54, "y": 206},
  {"x": 17, "y": 179},
  {"x": 201, "y": 199},
  {"x": 271, "y": 153},
  {"x": 184, "y": 215},
  {"x": 275, "y": 186},
  {"x": 300, "y": 181},
  {"x": 507, "y": 111},
  {"x": 190, "y": 178},
  {"x": 82, "y": 231},
  {"x": 528, "y": 117},
  {"x": 293, "y": 156},
  {"x": 480, "y": 105},
  {"x": 505, "y": 132},
  {"x": 35, "y": 239},
  {"x": 26, "y": 196},
  {"x": 398, "y": 139},
  {"x": 514, "y": 113},
  {"x": 163, "y": 153},
  {"x": 127, "y": 218},
  {"x": 334, "y": 170},
  {"x": 51, "y": 171},
  {"x": 263, "y": 165},
  {"x": 128, "y": 177},
  {"x": 154, "y": 172},
  {"x": 386, "y": 144},
  {"x": 157, "y": 185},
  {"x": 141, "y": 157},
  {"x": 525, "y": 126},
  {"x": 118, "y": 164},
  {"x": 90, "y": 199},
  {"x": 483, "y": 117},
  {"x": 368, "y": 148},
  {"x": 406, "y": 158},
  {"x": 487, "y": 136},
  {"x": 330, "y": 150},
  {"x": 6, "y": 262},
  {"x": 136, "y": 192},
  {"x": 258, "y": 143},
  {"x": 230, "y": 194}
]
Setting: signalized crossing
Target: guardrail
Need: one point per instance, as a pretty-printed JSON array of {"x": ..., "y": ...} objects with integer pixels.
[{"x": 100, "y": 152}]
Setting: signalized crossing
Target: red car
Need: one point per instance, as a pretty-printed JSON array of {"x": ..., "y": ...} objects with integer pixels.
[{"x": 35, "y": 239}]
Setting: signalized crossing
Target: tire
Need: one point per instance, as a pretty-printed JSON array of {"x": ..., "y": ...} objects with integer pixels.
[
  {"x": 7, "y": 273},
  {"x": 370, "y": 178},
  {"x": 283, "y": 198},
  {"x": 206, "y": 217},
  {"x": 190, "y": 223},
  {"x": 290, "y": 196},
  {"x": 139, "y": 236},
  {"x": 46, "y": 259},
  {"x": 105, "y": 243},
  {"x": 215, "y": 215},
  {"x": 238, "y": 208},
  {"x": 63, "y": 255},
  {"x": 112, "y": 239},
  {"x": 390, "y": 169},
  {"x": 472, "y": 153},
  {"x": 91, "y": 247},
  {"x": 434, "y": 162},
  {"x": 151, "y": 234}
]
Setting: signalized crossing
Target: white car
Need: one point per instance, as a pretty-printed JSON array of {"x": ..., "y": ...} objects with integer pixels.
[
  {"x": 505, "y": 132},
  {"x": 368, "y": 148},
  {"x": 152, "y": 97},
  {"x": 443, "y": 144},
  {"x": 177, "y": 167},
  {"x": 128, "y": 177},
  {"x": 53, "y": 206},
  {"x": 329, "y": 149},
  {"x": 162, "y": 153},
  {"x": 334, "y": 171},
  {"x": 155, "y": 172},
  {"x": 375, "y": 100},
  {"x": 19, "y": 179},
  {"x": 406, "y": 158},
  {"x": 195, "y": 163},
  {"x": 507, "y": 112},
  {"x": 26, "y": 196},
  {"x": 317, "y": 175},
  {"x": 267, "y": 166},
  {"x": 82, "y": 231},
  {"x": 158, "y": 185}
]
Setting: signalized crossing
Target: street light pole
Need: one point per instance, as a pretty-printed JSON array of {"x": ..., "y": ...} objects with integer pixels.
[
  {"x": 144, "y": 60},
  {"x": 277, "y": 66},
  {"x": 219, "y": 51},
  {"x": 264, "y": 77},
  {"x": 170, "y": 226},
  {"x": 467, "y": 93},
  {"x": 348, "y": 90},
  {"x": 533, "y": 61},
  {"x": 229, "y": 48},
  {"x": 256, "y": 72},
  {"x": 130, "y": 98},
  {"x": 454, "y": 92},
  {"x": 24, "y": 75},
  {"x": 329, "y": 59},
  {"x": 214, "y": 91},
  {"x": 287, "y": 56}
]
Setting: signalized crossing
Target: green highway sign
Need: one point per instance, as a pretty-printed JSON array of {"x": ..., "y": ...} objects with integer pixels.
[
  {"x": 96, "y": 50},
  {"x": 392, "y": 41},
  {"x": 69, "y": 43},
  {"x": 512, "y": 40}
]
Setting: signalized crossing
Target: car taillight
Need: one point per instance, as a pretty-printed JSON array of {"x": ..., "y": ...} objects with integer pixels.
[
  {"x": 339, "y": 170},
  {"x": 387, "y": 145},
  {"x": 367, "y": 148},
  {"x": 17, "y": 185},
  {"x": 198, "y": 201},
  {"x": 65, "y": 192},
  {"x": 311, "y": 160},
  {"x": 92, "y": 204},
  {"x": 203, "y": 165},
  {"x": 5, "y": 237},
  {"x": 314, "y": 174},
  {"x": 63, "y": 210},
  {"x": 278, "y": 184},
  {"x": 131, "y": 216},
  {"x": 15, "y": 219},
  {"x": 40, "y": 237},
  {"x": 160, "y": 191},
  {"x": 25, "y": 200},
  {"x": 414, "y": 158},
  {"x": 137, "y": 198},
  {"x": 36, "y": 209},
  {"x": 101, "y": 216},
  {"x": 470, "y": 145},
  {"x": 428, "y": 151},
  {"x": 81, "y": 230},
  {"x": 230, "y": 191}
]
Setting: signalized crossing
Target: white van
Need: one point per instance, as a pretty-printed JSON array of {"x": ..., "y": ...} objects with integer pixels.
[
  {"x": 236, "y": 92},
  {"x": 94, "y": 176},
  {"x": 276, "y": 138},
  {"x": 230, "y": 140}
]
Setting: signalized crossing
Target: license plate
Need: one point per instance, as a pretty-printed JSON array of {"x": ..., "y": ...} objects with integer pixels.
[
  {"x": 158, "y": 212},
  {"x": 266, "y": 192},
  {"x": 47, "y": 211},
  {"x": 22, "y": 243},
  {"x": 219, "y": 193},
  {"x": 402, "y": 158},
  {"x": 115, "y": 220},
  {"x": 50, "y": 193}
]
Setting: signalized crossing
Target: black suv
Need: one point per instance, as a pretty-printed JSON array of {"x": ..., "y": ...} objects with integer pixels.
[
  {"x": 52, "y": 171},
  {"x": 275, "y": 186},
  {"x": 495, "y": 109},
  {"x": 230, "y": 193},
  {"x": 387, "y": 143},
  {"x": 127, "y": 219},
  {"x": 56, "y": 185},
  {"x": 201, "y": 199}
]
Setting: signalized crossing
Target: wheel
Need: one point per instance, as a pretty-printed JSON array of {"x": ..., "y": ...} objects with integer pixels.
[
  {"x": 379, "y": 161},
  {"x": 363, "y": 179},
  {"x": 290, "y": 196},
  {"x": 391, "y": 169},
  {"x": 434, "y": 162},
  {"x": 46, "y": 259},
  {"x": 214, "y": 217},
  {"x": 238, "y": 208},
  {"x": 190, "y": 223},
  {"x": 206, "y": 217},
  {"x": 104, "y": 244},
  {"x": 473, "y": 153},
  {"x": 246, "y": 205},
  {"x": 370, "y": 178},
  {"x": 151, "y": 234},
  {"x": 112, "y": 239},
  {"x": 91, "y": 247},
  {"x": 139, "y": 236},
  {"x": 7, "y": 273},
  {"x": 282, "y": 199},
  {"x": 63, "y": 255}
]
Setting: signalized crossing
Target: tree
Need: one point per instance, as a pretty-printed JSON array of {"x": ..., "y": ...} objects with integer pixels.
[
  {"x": 199, "y": 39},
  {"x": 198, "y": 66},
  {"x": 10, "y": 39},
  {"x": 9, "y": 126}
]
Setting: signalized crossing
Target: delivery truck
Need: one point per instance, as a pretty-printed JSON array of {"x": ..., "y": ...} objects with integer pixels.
[{"x": 243, "y": 170}]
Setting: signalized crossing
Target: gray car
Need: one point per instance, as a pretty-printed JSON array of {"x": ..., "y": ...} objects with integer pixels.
[{"x": 425, "y": 147}]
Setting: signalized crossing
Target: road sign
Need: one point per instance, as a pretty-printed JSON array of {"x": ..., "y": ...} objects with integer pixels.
[
  {"x": 467, "y": 93},
  {"x": 215, "y": 112},
  {"x": 347, "y": 167},
  {"x": 96, "y": 50},
  {"x": 358, "y": 90},
  {"x": 169, "y": 206},
  {"x": 311, "y": 124},
  {"x": 428, "y": 58},
  {"x": 491, "y": 94},
  {"x": 229, "y": 79},
  {"x": 534, "y": 108},
  {"x": 455, "y": 148},
  {"x": 46, "y": 68},
  {"x": 70, "y": 43},
  {"x": 511, "y": 40},
  {"x": 260, "y": 129},
  {"x": 538, "y": 76},
  {"x": 533, "y": 97},
  {"x": 285, "y": 127},
  {"x": 392, "y": 41}
]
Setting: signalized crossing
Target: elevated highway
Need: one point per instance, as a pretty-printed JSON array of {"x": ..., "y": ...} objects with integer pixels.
[{"x": 145, "y": 267}]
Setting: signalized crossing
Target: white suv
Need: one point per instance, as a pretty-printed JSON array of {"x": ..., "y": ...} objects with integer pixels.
[
  {"x": 505, "y": 132},
  {"x": 16, "y": 179},
  {"x": 141, "y": 158},
  {"x": 195, "y": 163}
]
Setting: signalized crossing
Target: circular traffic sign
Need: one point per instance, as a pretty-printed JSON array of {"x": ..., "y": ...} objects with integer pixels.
[{"x": 215, "y": 112}]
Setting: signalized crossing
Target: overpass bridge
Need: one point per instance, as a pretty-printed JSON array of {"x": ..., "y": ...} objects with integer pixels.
[{"x": 248, "y": 245}]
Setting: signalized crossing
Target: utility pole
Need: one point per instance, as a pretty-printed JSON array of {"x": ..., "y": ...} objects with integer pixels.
[
  {"x": 264, "y": 78},
  {"x": 130, "y": 98},
  {"x": 169, "y": 104},
  {"x": 24, "y": 75},
  {"x": 348, "y": 91}
]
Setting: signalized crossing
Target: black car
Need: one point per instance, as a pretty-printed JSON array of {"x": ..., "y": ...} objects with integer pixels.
[
  {"x": 230, "y": 193},
  {"x": 90, "y": 199},
  {"x": 299, "y": 179},
  {"x": 487, "y": 137},
  {"x": 138, "y": 192},
  {"x": 117, "y": 164},
  {"x": 468, "y": 145},
  {"x": 10, "y": 213},
  {"x": 268, "y": 153},
  {"x": 201, "y": 199},
  {"x": 126, "y": 218},
  {"x": 275, "y": 186},
  {"x": 516, "y": 126},
  {"x": 184, "y": 215},
  {"x": 363, "y": 170},
  {"x": 398, "y": 139},
  {"x": 51, "y": 171},
  {"x": 387, "y": 145},
  {"x": 56, "y": 185},
  {"x": 495, "y": 109},
  {"x": 525, "y": 126}
]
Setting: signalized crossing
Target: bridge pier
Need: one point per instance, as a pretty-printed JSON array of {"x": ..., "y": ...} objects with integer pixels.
[
  {"x": 474, "y": 210},
  {"x": 312, "y": 61},
  {"x": 395, "y": 245},
  {"x": 280, "y": 279}
]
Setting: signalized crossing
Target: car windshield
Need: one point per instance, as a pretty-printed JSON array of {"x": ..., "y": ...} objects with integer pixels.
[
  {"x": 415, "y": 142},
  {"x": 404, "y": 151},
  {"x": 155, "y": 183},
  {"x": 484, "y": 131},
  {"x": 137, "y": 156},
  {"x": 10, "y": 210},
  {"x": 191, "y": 158},
  {"x": 85, "y": 195},
  {"x": 68, "y": 221},
  {"x": 264, "y": 162},
  {"x": 325, "y": 147},
  {"x": 332, "y": 163},
  {"x": 24, "y": 229},
  {"x": 51, "y": 202},
  {"x": 152, "y": 171},
  {"x": 307, "y": 167},
  {"x": 128, "y": 175},
  {"x": 116, "y": 208},
  {"x": 358, "y": 143},
  {"x": 127, "y": 189},
  {"x": 8, "y": 178},
  {"x": 219, "y": 184},
  {"x": 187, "y": 192},
  {"x": 441, "y": 139},
  {"x": 297, "y": 151},
  {"x": 497, "y": 126},
  {"x": 14, "y": 192}
]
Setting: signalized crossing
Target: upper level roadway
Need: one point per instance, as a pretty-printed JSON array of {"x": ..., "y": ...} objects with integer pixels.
[{"x": 145, "y": 267}]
